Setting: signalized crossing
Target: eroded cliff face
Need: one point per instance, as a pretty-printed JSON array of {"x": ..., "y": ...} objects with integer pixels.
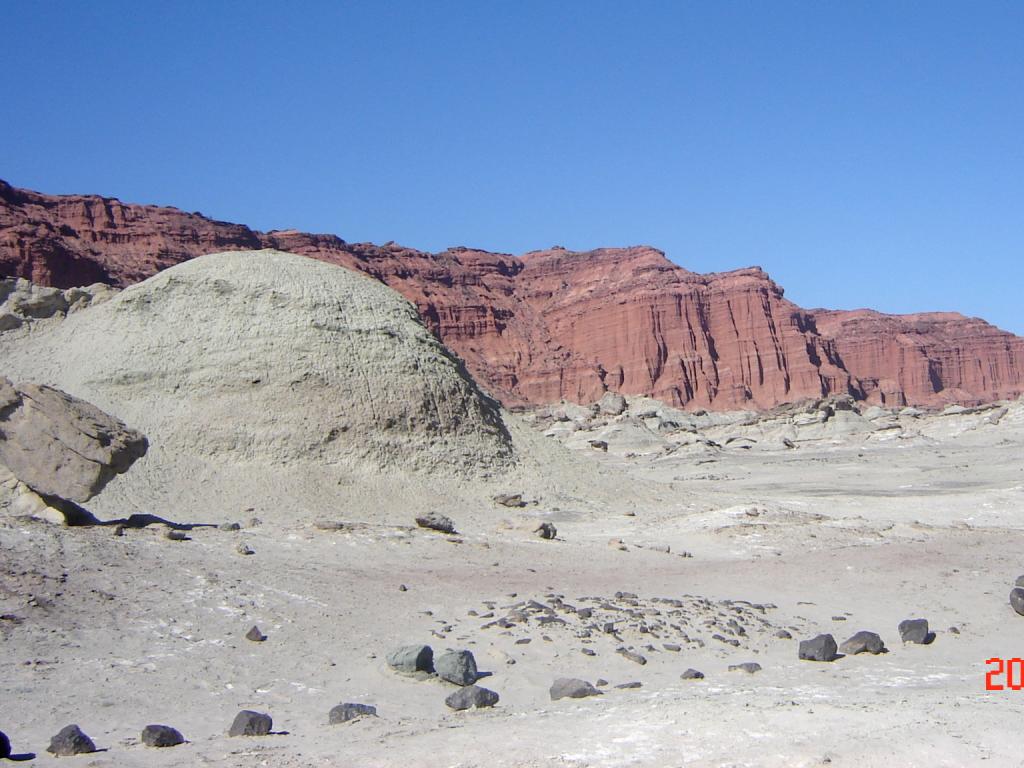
[
  {"x": 930, "y": 358},
  {"x": 558, "y": 324}
]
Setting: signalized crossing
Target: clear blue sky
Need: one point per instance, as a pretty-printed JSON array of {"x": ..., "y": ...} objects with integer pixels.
[{"x": 864, "y": 153}]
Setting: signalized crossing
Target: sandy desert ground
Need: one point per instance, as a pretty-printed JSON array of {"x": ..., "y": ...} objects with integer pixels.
[
  {"x": 116, "y": 632},
  {"x": 864, "y": 523}
]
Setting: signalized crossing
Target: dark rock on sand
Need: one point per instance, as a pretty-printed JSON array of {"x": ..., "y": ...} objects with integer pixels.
[
  {"x": 572, "y": 688},
  {"x": 457, "y": 667},
  {"x": 161, "y": 736},
  {"x": 863, "y": 642},
  {"x": 472, "y": 696},
  {"x": 435, "y": 521},
  {"x": 412, "y": 658},
  {"x": 249, "y": 723},
  {"x": 1017, "y": 599},
  {"x": 915, "y": 631},
  {"x": 345, "y": 712},
  {"x": 820, "y": 648},
  {"x": 70, "y": 741}
]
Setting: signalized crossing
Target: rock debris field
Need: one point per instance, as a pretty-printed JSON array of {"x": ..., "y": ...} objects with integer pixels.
[{"x": 623, "y": 584}]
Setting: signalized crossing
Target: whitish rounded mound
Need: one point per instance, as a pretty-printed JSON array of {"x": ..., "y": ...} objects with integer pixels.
[{"x": 270, "y": 356}]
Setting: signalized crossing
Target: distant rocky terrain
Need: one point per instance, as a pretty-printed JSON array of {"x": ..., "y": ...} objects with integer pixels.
[{"x": 560, "y": 325}]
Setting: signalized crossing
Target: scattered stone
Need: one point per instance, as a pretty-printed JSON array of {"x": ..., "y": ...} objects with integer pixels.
[
  {"x": 626, "y": 686},
  {"x": 546, "y": 531},
  {"x": 914, "y": 631},
  {"x": 435, "y": 521},
  {"x": 600, "y": 682},
  {"x": 402, "y": 588},
  {"x": 672, "y": 647},
  {"x": 457, "y": 667},
  {"x": 161, "y": 736},
  {"x": 820, "y": 648},
  {"x": 954, "y": 630},
  {"x": 838, "y": 618},
  {"x": 70, "y": 741},
  {"x": 510, "y": 499},
  {"x": 249, "y": 723},
  {"x": 229, "y": 527},
  {"x": 572, "y": 688},
  {"x": 255, "y": 635},
  {"x": 245, "y": 549},
  {"x": 5, "y": 746},
  {"x": 632, "y": 656},
  {"x": 524, "y": 641},
  {"x": 788, "y": 443},
  {"x": 782, "y": 634},
  {"x": 412, "y": 658},
  {"x": 470, "y": 697},
  {"x": 863, "y": 642},
  {"x": 176, "y": 535},
  {"x": 1017, "y": 599},
  {"x": 343, "y": 713},
  {"x": 589, "y": 652},
  {"x": 750, "y": 667},
  {"x": 119, "y": 530},
  {"x": 692, "y": 674},
  {"x": 1019, "y": 582},
  {"x": 599, "y": 445}
]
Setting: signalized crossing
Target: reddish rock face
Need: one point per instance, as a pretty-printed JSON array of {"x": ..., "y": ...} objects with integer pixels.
[{"x": 558, "y": 324}]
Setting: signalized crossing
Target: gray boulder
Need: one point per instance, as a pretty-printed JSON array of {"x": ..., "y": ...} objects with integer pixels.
[
  {"x": 1019, "y": 582},
  {"x": 863, "y": 642},
  {"x": 345, "y": 712},
  {"x": 70, "y": 741},
  {"x": 1017, "y": 599},
  {"x": 412, "y": 658},
  {"x": 435, "y": 521},
  {"x": 161, "y": 736},
  {"x": 914, "y": 631},
  {"x": 255, "y": 635},
  {"x": 612, "y": 404},
  {"x": 692, "y": 674},
  {"x": 457, "y": 667},
  {"x": 572, "y": 688},
  {"x": 820, "y": 648},
  {"x": 750, "y": 667},
  {"x": 61, "y": 446},
  {"x": 5, "y": 746},
  {"x": 249, "y": 723},
  {"x": 472, "y": 697}
]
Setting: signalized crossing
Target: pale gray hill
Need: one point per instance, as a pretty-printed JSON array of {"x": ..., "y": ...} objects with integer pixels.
[{"x": 270, "y": 357}]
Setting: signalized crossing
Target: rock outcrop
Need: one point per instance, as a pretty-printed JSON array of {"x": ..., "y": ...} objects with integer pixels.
[
  {"x": 560, "y": 325},
  {"x": 61, "y": 446},
  {"x": 271, "y": 357}
]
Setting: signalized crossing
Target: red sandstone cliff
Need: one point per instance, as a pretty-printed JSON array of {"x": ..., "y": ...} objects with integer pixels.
[{"x": 558, "y": 324}]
